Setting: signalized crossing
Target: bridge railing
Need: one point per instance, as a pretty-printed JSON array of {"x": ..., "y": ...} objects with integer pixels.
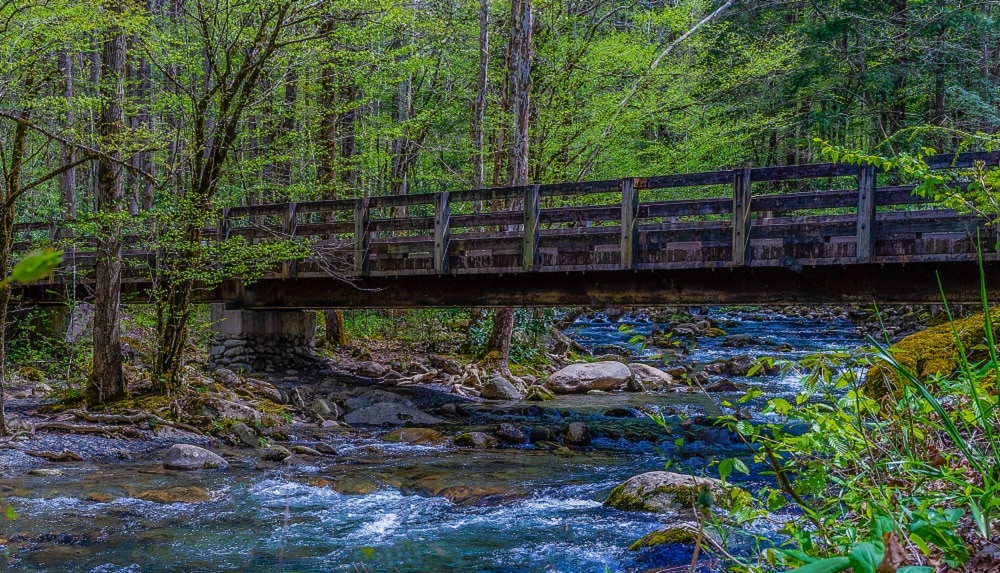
[{"x": 727, "y": 218}]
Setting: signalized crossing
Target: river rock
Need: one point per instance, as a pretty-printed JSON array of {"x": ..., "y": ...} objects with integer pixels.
[
  {"x": 45, "y": 472},
  {"x": 577, "y": 434},
  {"x": 724, "y": 385},
  {"x": 326, "y": 409},
  {"x": 244, "y": 435},
  {"x": 625, "y": 412},
  {"x": 685, "y": 532},
  {"x": 275, "y": 453},
  {"x": 416, "y": 436},
  {"x": 538, "y": 393},
  {"x": 263, "y": 390},
  {"x": 651, "y": 378},
  {"x": 372, "y": 397},
  {"x": 226, "y": 377},
  {"x": 217, "y": 408},
  {"x": 542, "y": 434},
  {"x": 581, "y": 378},
  {"x": 509, "y": 433},
  {"x": 178, "y": 494},
  {"x": 188, "y": 457},
  {"x": 496, "y": 387},
  {"x": 390, "y": 414},
  {"x": 666, "y": 492},
  {"x": 371, "y": 369},
  {"x": 475, "y": 440}
]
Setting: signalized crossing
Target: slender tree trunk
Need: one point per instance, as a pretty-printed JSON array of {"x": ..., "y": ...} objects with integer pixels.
[
  {"x": 497, "y": 352},
  {"x": 12, "y": 184},
  {"x": 479, "y": 104},
  {"x": 67, "y": 179},
  {"x": 283, "y": 171},
  {"x": 336, "y": 333},
  {"x": 107, "y": 381}
]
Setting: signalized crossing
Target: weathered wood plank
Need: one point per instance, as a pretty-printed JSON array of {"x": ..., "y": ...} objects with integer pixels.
[
  {"x": 289, "y": 225},
  {"x": 741, "y": 216},
  {"x": 532, "y": 223},
  {"x": 442, "y": 232},
  {"x": 808, "y": 171},
  {"x": 629, "y": 228},
  {"x": 689, "y": 180},
  {"x": 693, "y": 207},
  {"x": 362, "y": 237},
  {"x": 866, "y": 214}
]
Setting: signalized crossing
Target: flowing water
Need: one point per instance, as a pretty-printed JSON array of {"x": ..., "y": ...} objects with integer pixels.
[{"x": 393, "y": 507}]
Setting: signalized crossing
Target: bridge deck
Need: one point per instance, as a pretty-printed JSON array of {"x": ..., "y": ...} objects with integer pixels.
[{"x": 807, "y": 233}]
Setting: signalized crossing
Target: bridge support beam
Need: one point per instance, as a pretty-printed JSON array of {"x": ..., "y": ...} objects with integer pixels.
[{"x": 262, "y": 340}]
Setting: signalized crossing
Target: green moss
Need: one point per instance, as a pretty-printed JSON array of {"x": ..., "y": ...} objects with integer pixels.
[
  {"x": 682, "y": 495},
  {"x": 666, "y": 536},
  {"x": 31, "y": 374},
  {"x": 930, "y": 352}
]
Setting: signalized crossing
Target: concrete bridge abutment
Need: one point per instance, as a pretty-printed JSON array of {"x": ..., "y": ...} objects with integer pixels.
[{"x": 262, "y": 340}]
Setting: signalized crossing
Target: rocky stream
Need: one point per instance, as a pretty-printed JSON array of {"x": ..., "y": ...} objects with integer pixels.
[{"x": 467, "y": 485}]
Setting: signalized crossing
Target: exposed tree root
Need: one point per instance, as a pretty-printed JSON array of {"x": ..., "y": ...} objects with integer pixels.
[
  {"x": 63, "y": 456},
  {"x": 132, "y": 419},
  {"x": 79, "y": 429}
]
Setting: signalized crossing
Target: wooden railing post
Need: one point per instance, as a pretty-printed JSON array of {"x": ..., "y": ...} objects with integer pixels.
[
  {"x": 362, "y": 239},
  {"x": 741, "y": 217},
  {"x": 223, "y": 233},
  {"x": 866, "y": 214},
  {"x": 288, "y": 227},
  {"x": 629, "y": 228},
  {"x": 532, "y": 218},
  {"x": 442, "y": 232}
]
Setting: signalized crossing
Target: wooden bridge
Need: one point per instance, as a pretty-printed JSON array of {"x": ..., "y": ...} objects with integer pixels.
[{"x": 825, "y": 232}]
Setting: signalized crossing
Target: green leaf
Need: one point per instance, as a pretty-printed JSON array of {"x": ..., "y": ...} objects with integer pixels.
[
  {"x": 10, "y": 513},
  {"x": 725, "y": 468},
  {"x": 864, "y": 557},
  {"x": 36, "y": 265},
  {"x": 914, "y": 569},
  {"x": 831, "y": 565}
]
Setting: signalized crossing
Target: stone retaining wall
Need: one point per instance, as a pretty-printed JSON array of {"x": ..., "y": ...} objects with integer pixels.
[{"x": 262, "y": 340}]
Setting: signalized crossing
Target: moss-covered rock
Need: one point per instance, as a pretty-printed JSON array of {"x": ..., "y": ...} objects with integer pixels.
[
  {"x": 416, "y": 436},
  {"x": 929, "y": 352},
  {"x": 667, "y": 492},
  {"x": 685, "y": 532}
]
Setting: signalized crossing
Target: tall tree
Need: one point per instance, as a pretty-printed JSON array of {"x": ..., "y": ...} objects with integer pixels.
[
  {"x": 107, "y": 380},
  {"x": 497, "y": 351}
]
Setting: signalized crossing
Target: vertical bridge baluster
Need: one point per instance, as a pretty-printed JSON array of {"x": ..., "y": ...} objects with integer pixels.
[
  {"x": 629, "y": 228},
  {"x": 442, "y": 232},
  {"x": 741, "y": 217},
  {"x": 866, "y": 214},
  {"x": 532, "y": 217},
  {"x": 288, "y": 226},
  {"x": 362, "y": 238}
]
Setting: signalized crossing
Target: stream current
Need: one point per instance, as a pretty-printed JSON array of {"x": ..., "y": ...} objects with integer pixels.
[{"x": 396, "y": 507}]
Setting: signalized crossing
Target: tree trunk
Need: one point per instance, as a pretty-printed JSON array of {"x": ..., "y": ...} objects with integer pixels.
[
  {"x": 107, "y": 381},
  {"x": 336, "y": 333},
  {"x": 496, "y": 355},
  {"x": 67, "y": 179},
  {"x": 283, "y": 171},
  {"x": 479, "y": 104}
]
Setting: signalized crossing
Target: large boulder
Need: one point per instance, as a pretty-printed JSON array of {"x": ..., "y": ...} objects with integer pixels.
[
  {"x": 929, "y": 352},
  {"x": 667, "y": 492},
  {"x": 497, "y": 387},
  {"x": 582, "y": 378},
  {"x": 187, "y": 457},
  {"x": 650, "y": 377},
  {"x": 390, "y": 414}
]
